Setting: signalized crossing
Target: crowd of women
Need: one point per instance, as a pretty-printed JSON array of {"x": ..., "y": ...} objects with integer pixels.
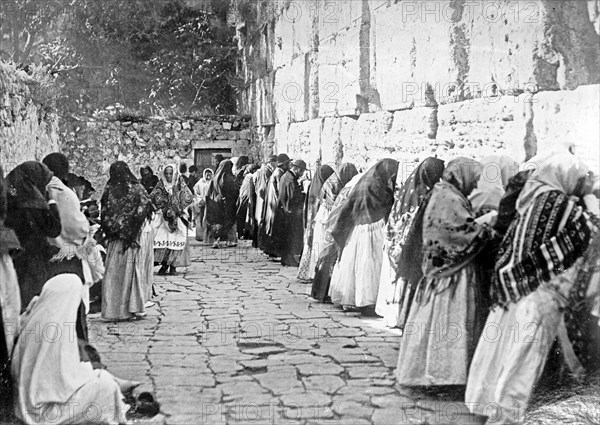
[
  {"x": 434, "y": 248},
  {"x": 489, "y": 268}
]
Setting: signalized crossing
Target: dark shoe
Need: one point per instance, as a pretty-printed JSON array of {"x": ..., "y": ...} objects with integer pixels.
[
  {"x": 163, "y": 270},
  {"x": 173, "y": 271}
]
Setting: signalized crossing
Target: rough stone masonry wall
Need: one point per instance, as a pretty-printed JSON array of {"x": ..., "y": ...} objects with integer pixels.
[
  {"x": 28, "y": 124},
  {"x": 359, "y": 80},
  {"x": 93, "y": 144}
]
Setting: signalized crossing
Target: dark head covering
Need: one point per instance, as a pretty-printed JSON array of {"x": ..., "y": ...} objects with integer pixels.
[
  {"x": 8, "y": 239},
  {"x": 27, "y": 185},
  {"x": 58, "y": 164},
  {"x": 125, "y": 206},
  {"x": 299, "y": 163},
  {"x": 370, "y": 200},
  {"x": 312, "y": 204},
  {"x": 282, "y": 159},
  {"x": 322, "y": 175},
  {"x": 148, "y": 181},
  {"x": 421, "y": 181},
  {"x": 119, "y": 172},
  {"x": 222, "y": 178},
  {"x": 334, "y": 184},
  {"x": 242, "y": 162},
  {"x": 405, "y": 225},
  {"x": 193, "y": 168},
  {"x": 463, "y": 173}
]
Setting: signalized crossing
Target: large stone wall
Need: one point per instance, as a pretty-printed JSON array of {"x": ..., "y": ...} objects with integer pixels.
[
  {"x": 28, "y": 123},
  {"x": 357, "y": 80},
  {"x": 92, "y": 144}
]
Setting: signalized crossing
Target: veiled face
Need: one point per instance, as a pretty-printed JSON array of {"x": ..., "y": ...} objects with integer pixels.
[
  {"x": 169, "y": 174},
  {"x": 145, "y": 172},
  {"x": 209, "y": 176}
]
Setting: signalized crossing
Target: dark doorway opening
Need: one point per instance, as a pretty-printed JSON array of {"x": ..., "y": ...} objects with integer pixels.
[{"x": 205, "y": 158}]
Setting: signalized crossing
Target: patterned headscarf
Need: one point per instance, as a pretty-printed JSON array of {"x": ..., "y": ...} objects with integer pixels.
[
  {"x": 27, "y": 186},
  {"x": 125, "y": 206},
  {"x": 172, "y": 198},
  {"x": 334, "y": 184},
  {"x": 463, "y": 173}
]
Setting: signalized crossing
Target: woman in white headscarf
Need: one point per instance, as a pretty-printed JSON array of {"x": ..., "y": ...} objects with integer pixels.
[
  {"x": 52, "y": 384},
  {"x": 200, "y": 192},
  {"x": 533, "y": 282},
  {"x": 171, "y": 197},
  {"x": 496, "y": 171}
]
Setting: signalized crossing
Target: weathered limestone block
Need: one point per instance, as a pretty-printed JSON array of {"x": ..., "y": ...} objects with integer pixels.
[
  {"x": 290, "y": 90},
  {"x": 365, "y": 146},
  {"x": 335, "y": 132},
  {"x": 304, "y": 141},
  {"x": 569, "y": 118},
  {"x": 545, "y": 43},
  {"x": 413, "y": 49},
  {"x": 339, "y": 73},
  {"x": 263, "y": 108},
  {"x": 280, "y": 138},
  {"x": 480, "y": 127}
]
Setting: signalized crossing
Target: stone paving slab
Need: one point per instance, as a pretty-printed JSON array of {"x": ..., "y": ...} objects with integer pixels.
[{"x": 235, "y": 339}]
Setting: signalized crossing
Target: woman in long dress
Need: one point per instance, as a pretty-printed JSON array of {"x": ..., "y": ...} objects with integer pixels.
[
  {"x": 221, "y": 202},
  {"x": 444, "y": 321},
  {"x": 311, "y": 207},
  {"x": 52, "y": 384},
  {"x": 200, "y": 191},
  {"x": 396, "y": 288},
  {"x": 34, "y": 220},
  {"x": 171, "y": 197},
  {"x": 126, "y": 221},
  {"x": 533, "y": 281},
  {"x": 334, "y": 192},
  {"x": 359, "y": 233}
]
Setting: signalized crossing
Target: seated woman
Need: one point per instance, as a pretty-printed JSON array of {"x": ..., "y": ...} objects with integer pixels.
[{"x": 52, "y": 384}]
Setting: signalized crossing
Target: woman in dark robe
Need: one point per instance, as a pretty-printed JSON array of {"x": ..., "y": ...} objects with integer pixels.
[
  {"x": 359, "y": 233},
  {"x": 149, "y": 180},
  {"x": 10, "y": 304},
  {"x": 267, "y": 239},
  {"x": 334, "y": 192},
  {"x": 447, "y": 307},
  {"x": 288, "y": 220},
  {"x": 395, "y": 293},
  {"x": 221, "y": 202},
  {"x": 239, "y": 170},
  {"x": 311, "y": 207},
  {"x": 34, "y": 220},
  {"x": 246, "y": 201}
]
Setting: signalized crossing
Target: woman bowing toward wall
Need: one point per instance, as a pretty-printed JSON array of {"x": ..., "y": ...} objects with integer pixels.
[
  {"x": 171, "y": 197},
  {"x": 221, "y": 200},
  {"x": 444, "y": 322}
]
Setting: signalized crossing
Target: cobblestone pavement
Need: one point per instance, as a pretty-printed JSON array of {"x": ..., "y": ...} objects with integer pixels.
[{"x": 236, "y": 339}]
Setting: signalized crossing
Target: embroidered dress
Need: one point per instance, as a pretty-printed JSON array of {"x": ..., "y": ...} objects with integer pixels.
[
  {"x": 170, "y": 230},
  {"x": 534, "y": 276}
]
